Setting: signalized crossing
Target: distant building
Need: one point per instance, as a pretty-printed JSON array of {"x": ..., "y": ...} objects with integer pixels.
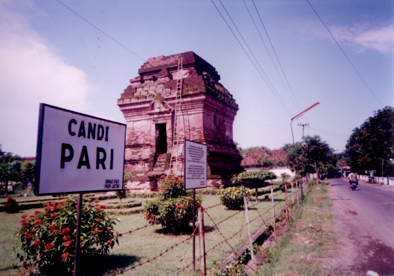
[{"x": 274, "y": 162}]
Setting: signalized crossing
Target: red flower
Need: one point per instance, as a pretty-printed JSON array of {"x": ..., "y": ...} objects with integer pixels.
[
  {"x": 49, "y": 202},
  {"x": 48, "y": 246},
  {"x": 31, "y": 217},
  {"x": 9, "y": 197},
  {"x": 47, "y": 208},
  {"x": 65, "y": 255},
  {"x": 54, "y": 215},
  {"x": 24, "y": 263},
  {"x": 110, "y": 242},
  {"x": 23, "y": 221},
  {"x": 55, "y": 207},
  {"x": 103, "y": 206},
  {"x": 98, "y": 208},
  {"x": 96, "y": 201},
  {"x": 62, "y": 203},
  {"x": 65, "y": 230},
  {"x": 24, "y": 216},
  {"x": 171, "y": 181},
  {"x": 99, "y": 220},
  {"x": 31, "y": 230},
  {"x": 37, "y": 222},
  {"x": 67, "y": 243},
  {"x": 55, "y": 231},
  {"x": 53, "y": 203},
  {"x": 27, "y": 236},
  {"x": 42, "y": 254},
  {"x": 36, "y": 242},
  {"x": 37, "y": 212},
  {"x": 96, "y": 230},
  {"x": 66, "y": 238},
  {"x": 162, "y": 177},
  {"x": 51, "y": 227}
]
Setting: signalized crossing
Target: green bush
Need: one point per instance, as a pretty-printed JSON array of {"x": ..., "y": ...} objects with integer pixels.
[
  {"x": 11, "y": 206},
  {"x": 232, "y": 197},
  {"x": 173, "y": 209},
  {"x": 47, "y": 239}
]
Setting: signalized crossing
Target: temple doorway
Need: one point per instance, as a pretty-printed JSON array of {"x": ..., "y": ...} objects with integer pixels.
[{"x": 161, "y": 138}]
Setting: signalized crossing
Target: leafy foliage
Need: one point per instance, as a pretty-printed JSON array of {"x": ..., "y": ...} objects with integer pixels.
[
  {"x": 256, "y": 176},
  {"x": 173, "y": 209},
  {"x": 372, "y": 142},
  {"x": 232, "y": 197},
  {"x": 11, "y": 206},
  {"x": 47, "y": 239},
  {"x": 313, "y": 156}
]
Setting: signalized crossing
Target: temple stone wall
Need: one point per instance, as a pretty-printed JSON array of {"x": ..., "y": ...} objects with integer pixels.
[{"x": 206, "y": 116}]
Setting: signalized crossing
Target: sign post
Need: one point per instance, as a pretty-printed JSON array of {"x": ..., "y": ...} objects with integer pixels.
[
  {"x": 78, "y": 153},
  {"x": 195, "y": 176}
]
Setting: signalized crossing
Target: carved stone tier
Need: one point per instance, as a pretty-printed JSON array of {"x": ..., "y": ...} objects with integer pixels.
[{"x": 206, "y": 116}]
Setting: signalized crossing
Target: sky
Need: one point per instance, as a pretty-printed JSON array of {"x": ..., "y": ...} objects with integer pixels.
[{"x": 80, "y": 55}]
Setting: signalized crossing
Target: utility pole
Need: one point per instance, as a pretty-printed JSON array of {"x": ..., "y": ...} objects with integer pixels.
[{"x": 303, "y": 126}]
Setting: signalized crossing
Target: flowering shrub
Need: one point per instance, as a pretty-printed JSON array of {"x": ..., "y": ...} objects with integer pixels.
[
  {"x": 47, "y": 239},
  {"x": 232, "y": 197},
  {"x": 173, "y": 209},
  {"x": 11, "y": 206},
  {"x": 171, "y": 186}
]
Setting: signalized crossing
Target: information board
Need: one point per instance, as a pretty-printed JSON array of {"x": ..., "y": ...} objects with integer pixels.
[
  {"x": 78, "y": 153},
  {"x": 195, "y": 165}
]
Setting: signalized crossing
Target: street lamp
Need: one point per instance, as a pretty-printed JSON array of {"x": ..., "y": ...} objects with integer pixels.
[{"x": 295, "y": 152}]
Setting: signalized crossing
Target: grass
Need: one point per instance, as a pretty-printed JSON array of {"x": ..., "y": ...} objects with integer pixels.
[
  {"x": 305, "y": 248},
  {"x": 149, "y": 242}
]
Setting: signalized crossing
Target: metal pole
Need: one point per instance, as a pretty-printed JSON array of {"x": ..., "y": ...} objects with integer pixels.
[
  {"x": 203, "y": 267},
  {"x": 79, "y": 208},
  {"x": 382, "y": 169},
  {"x": 249, "y": 232},
  {"x": 194, "y": 227},
  {"x": 295, "y": 153},
  {"x": 273, "y": 210},
  {"x": 287, "y": 210}
]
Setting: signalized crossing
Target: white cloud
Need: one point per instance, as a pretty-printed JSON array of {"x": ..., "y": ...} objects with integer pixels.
[
  {"x": 32, "y": 72},
  {"x": 362, "y": 36},
  {"x": 381, "y": 40}
]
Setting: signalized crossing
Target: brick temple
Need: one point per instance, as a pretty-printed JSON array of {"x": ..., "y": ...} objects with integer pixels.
[{"x": 179, "y": 93}]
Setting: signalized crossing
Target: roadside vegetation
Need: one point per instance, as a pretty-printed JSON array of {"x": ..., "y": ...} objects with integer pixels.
[{"x": 306, "y": 245}]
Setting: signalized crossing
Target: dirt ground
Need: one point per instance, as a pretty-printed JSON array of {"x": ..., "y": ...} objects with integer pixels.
[{"x": 358, "y": 252}]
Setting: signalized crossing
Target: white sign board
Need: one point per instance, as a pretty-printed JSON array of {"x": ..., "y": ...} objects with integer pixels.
[
  {"x": 78, "y": 153},
  {"x": 195, "y": 165}
]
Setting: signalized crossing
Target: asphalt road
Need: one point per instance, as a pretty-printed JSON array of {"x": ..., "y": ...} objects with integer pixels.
[{"x": 364, "y": 221}]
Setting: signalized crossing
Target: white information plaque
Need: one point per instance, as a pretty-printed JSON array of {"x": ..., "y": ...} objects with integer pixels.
[
  {"x": 78, "y": 153},
  {"x": 195, "y": 165}
]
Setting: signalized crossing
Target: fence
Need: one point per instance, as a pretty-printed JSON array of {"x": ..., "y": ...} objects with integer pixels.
[
  {"x": 228, "y": 234},
  {"x": 377, "y": 179}
]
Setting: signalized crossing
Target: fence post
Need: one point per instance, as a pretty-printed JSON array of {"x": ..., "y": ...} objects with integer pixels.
[
  {"x": 203, "y": 271},
  {"x": 249, "y": 233},
  {"x": 273, "y": 210},
  {"x": 287, "y": 209},
  {"x": 292, "y": 193}
]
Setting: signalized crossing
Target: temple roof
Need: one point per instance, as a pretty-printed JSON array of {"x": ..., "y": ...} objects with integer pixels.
[{"x": 190, "y": 59}]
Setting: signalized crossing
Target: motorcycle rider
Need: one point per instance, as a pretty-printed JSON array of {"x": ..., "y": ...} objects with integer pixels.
[{"x": 352, "y": 178}]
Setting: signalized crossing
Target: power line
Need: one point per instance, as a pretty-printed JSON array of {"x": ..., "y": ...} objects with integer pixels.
[
  {"x": 250, "y": 59},
  {"x": 97, "y": 28},
  {"x": 276, "y": 56},
  {"x": 343, "y": 52}
]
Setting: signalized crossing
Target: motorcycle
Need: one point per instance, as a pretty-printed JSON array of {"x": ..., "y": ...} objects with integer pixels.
[{"x": 353, "y": 184}]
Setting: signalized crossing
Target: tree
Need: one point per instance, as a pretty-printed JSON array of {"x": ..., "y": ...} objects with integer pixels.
[
  {"x": 27, "y": 171},
  {"x": 313, "y": 156},
  {"x": 317, "y": 152},
  {"x": 373, "y": 142}
]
